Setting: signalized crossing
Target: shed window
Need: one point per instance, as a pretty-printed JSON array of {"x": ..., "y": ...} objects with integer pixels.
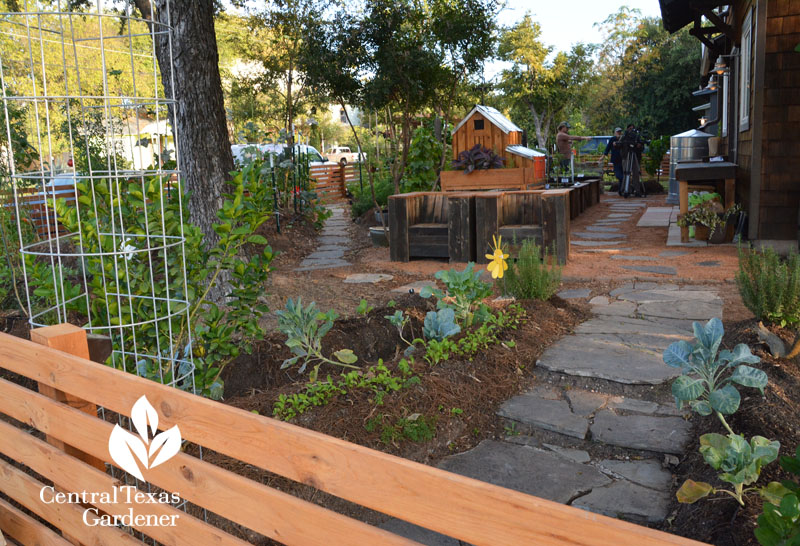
[
  {"x": 478, "y": 125},
  {"x": 744, "y": 74}
]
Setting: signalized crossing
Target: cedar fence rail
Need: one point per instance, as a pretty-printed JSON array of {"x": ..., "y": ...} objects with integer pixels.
[
  {"x": 75, "y": 448},
  {"x": 330, "y": 180}
]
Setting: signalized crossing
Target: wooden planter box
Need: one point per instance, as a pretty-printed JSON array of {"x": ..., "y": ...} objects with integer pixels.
[{"x": 492, "y": 179}]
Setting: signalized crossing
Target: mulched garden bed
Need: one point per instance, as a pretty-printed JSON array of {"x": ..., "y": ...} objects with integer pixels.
[{"x": 720, "y": 520}]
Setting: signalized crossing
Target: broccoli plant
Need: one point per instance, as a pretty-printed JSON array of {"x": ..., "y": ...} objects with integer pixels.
[
  {"x": 779, "y": 523},
  {"x": 464, "y": 293},
  {"x": 305, "y": 327},
  {"x": 708, "y": 375},
  {"x": 706, "y": 383}
]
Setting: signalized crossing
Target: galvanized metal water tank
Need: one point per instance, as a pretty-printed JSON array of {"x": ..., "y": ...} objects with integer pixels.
[{"x": 686, "y": 146}]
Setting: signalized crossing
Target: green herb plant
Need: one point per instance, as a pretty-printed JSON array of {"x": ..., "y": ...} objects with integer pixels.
[
  {"x": 377, "y": 379},
  {"x": 531, "y": 275},
  {"x": 770, "y": 285},
  {"x": 304, "y": 328},
  {"x": 779, "y": 522},
  {"x": 706, "y": 383},
  {"x": 416, "y": 428}
]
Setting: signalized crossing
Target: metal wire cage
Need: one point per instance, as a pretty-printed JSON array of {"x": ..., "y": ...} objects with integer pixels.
[{"x": 96, "y": 194}]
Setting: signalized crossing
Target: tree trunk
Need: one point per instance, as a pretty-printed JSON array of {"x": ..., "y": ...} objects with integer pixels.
[
  {"x": 541, "y": 137},
  {"x": 198, "y": 116}
]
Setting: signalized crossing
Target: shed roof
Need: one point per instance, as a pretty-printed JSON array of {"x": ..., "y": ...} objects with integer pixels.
[
  {"x": 524, "y": 152},
  {"x": 493, "y": 115}
]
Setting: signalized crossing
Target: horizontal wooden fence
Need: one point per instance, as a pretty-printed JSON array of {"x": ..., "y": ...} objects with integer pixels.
[
  {"x": 76, "y": 439},
  {"x": 34, "y": 202},
  {"x": 330, "y": 180}
]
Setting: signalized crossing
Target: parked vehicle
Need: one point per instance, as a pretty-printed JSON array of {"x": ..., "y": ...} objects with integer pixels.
[
  {"x": 343, "y": 155},
  {"x": 243, "y": 153}
]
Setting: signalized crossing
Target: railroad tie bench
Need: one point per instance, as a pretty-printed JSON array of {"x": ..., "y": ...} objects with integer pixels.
[
  {"x": 541, "y": 215},
  {"x": 432, "y": 225}
]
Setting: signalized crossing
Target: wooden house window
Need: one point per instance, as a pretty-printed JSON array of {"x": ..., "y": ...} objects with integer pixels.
[
  {"x": 744, "y": 73},
  {"x": 478, "y": 125}
]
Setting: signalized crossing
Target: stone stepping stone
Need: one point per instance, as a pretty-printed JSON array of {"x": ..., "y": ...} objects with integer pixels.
[
  {"x": 599, "y": 300},
  {"x": 617, "y": 308},
  {"x": 602, "y": 229},
  {"x": 611, "y": 222},
  {"x": 415, "y": 286},
  {"x": 367, "y": 278},
  {"x": 627, "y": 501},
  {"x": 710, "y": 263},
  {"x": 552, "y": 415},
  {"x": 619, "y": 215},
  {"x": 655, "y": 217},
  {"x": 606, "y": 357},
  {"x": 523, "y": 468},
  {"x": 599, "y": 236},
  {"x": 686, "y": 310},
  {"x": 606, "y": 250},
  {"x": 666, "y": 328},
  {"x": 326, "y": 254},
  {"x": 585, "y": 403},
  {"x": 635, "y": 258},
  {"x": 329, "y": 248},
  {"x": 648, "y": 473},
  {"x": 333, "y": 240},
  {"x": 577, "y": 455},
  {"x": 634, "y": 405},
  {"x": 673, "y": 253},
  {"x": 649, "y": 433},
  {"x": 312, "y": 265},
  {"x": 594, "y": 243},
  {"x": 656, "y": 294},
  {"x": 660, "y": 269},
  {"x": 574, "y": 293}
]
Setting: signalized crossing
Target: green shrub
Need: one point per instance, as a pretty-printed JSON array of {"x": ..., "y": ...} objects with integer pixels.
[
  {"x": 530, "y": 276},
  {"x": 362, "y": 198},
  {"x": 770, "y": 285},
  {"x": 779, "y": 523},
  {"x": 424, "y": 156}
]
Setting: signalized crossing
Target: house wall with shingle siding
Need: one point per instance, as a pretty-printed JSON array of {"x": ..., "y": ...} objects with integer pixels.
[{"x": 780, "y": 164}]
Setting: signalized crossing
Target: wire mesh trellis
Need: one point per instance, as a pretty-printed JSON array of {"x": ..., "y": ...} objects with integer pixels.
[
  {"x": 91, "y": 178},
  {"x": 95, "y": 206}
]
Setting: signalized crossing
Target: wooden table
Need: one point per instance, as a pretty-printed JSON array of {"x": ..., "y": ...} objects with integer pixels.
[{"x": 708, "y": 173}]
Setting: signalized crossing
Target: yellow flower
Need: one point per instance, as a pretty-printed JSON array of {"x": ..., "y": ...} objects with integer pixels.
[{"x": 497, "y": 264}]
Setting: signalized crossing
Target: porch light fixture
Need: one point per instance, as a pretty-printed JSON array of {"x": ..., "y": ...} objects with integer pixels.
[
  {"x": 720, "y": 67},
  {"x": 712, "y": 83},
  {"x": 702, "y": 121}
]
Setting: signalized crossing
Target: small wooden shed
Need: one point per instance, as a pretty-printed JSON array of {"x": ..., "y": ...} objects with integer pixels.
[{"x": 486, "y": 126}]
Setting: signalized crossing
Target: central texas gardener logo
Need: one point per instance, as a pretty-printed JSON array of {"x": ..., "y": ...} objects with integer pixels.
[{"x": 126, "y": 448}]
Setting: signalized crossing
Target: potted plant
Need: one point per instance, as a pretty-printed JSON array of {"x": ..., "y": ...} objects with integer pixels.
[{"x": 709, "y": 223}]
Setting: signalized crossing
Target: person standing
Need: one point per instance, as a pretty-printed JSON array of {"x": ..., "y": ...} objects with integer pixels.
[
  {"x": 564, "y": 143},
  {"x": 616, "y": 156}
]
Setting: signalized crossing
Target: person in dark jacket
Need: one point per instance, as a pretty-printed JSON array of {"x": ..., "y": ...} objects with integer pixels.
[{"x": 616, "y": 156}]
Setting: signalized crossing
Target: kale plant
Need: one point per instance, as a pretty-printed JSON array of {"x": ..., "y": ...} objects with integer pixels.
[{"x": 440, "y": 324}]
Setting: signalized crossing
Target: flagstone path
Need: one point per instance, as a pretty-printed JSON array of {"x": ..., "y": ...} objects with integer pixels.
[
  {"x": 599, "y": 428},
  {"x": 333, "y": 241}
]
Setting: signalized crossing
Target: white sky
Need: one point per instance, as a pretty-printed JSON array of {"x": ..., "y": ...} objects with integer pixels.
[{"x": 565, "y": 22}]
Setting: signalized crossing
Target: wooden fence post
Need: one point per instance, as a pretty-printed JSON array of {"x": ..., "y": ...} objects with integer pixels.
[{"x": 70, "y": 339}]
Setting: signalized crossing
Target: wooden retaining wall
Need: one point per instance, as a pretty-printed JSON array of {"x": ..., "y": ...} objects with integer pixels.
[{"x": 54, "y": 436}]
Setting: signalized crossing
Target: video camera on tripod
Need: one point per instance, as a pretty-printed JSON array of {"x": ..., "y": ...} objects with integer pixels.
[{"x": 631, "y": 145}]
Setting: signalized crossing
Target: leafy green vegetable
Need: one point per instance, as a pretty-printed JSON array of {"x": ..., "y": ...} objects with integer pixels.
[{"x": 440, "y": 324}]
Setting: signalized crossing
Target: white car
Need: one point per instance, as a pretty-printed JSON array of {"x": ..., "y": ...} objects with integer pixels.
[
  {"x": 343, "y": 155},
  {"x": 243, "y": 153}
]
